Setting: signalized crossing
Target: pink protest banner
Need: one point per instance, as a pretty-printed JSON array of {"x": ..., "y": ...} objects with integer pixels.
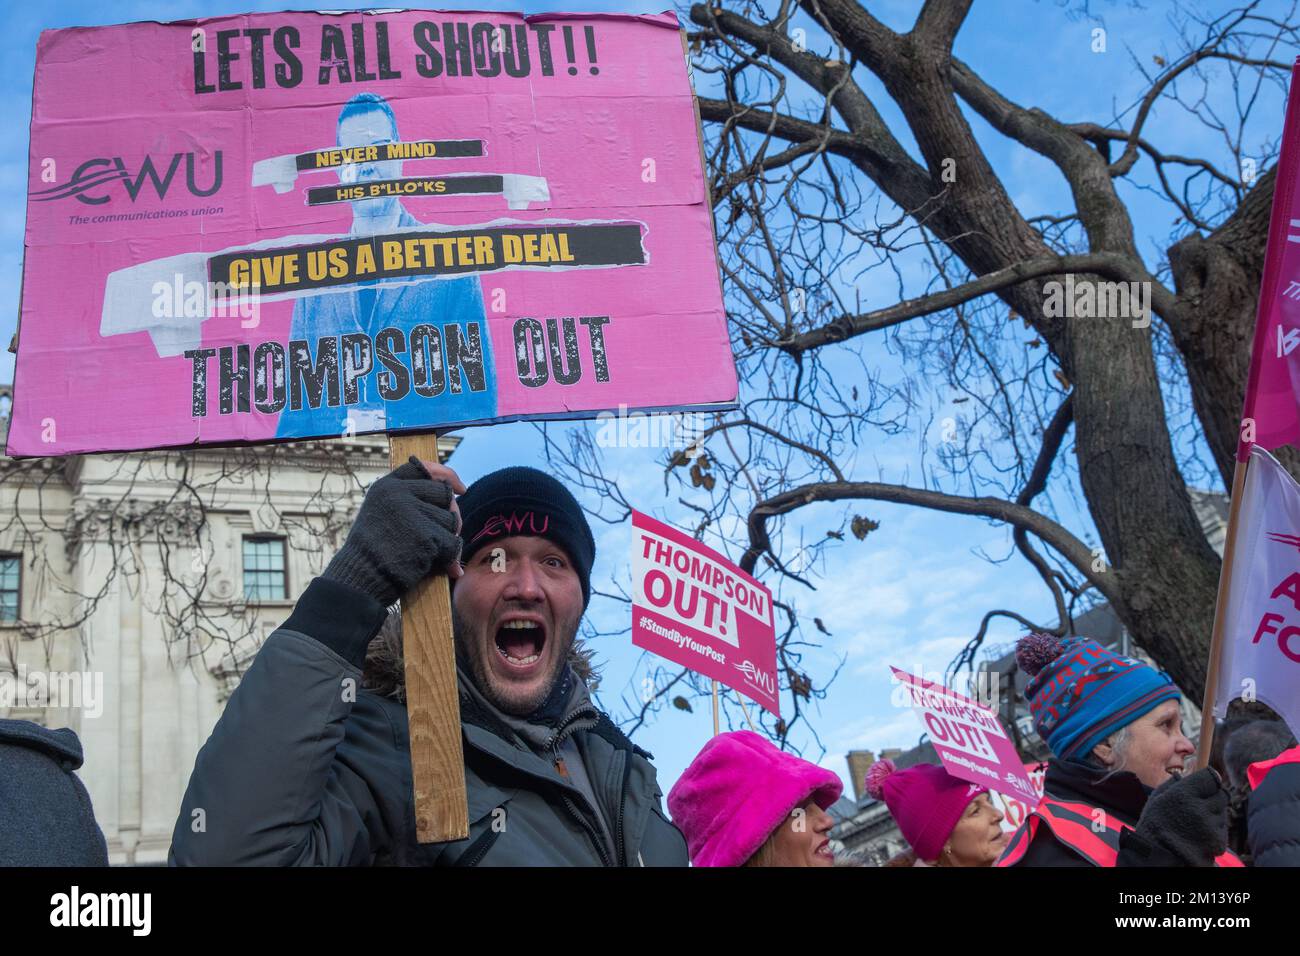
[
  {"x": 1271, "y": 415},
  {"x": 968, "y": 738},
  {"x": 298, "y": 225},
  {"x": 695, "y": 608}
]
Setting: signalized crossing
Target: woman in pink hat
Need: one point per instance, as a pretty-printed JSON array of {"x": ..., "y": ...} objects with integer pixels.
[
  {"x": 946, "y": 821},
  {"x": 743, "y": 802}
]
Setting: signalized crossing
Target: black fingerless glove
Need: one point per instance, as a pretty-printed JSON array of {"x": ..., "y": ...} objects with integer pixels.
[{"x": 404, "y": 531}]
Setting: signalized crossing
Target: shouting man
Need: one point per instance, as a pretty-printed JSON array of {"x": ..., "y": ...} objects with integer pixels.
[{"x": 310, "y": 764}]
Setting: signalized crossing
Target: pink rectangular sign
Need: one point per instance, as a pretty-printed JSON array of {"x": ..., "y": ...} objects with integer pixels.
[
  {"x": 1016, "y": 810},
  {"x": 694, "y": 607},
  {"x": 299, "y": 225},
  {"x": 968, "y": 738}
]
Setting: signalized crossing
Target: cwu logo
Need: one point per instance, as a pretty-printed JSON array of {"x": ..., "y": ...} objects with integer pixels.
[
  {"x": 95, "y": 175},
  {"x": 1290, "y": 540},
  {"x": 514, "y": 524},
  {"x": 756, "y": 677}
]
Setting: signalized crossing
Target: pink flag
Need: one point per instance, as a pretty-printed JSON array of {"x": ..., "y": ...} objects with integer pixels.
[
  {"x": 1261, "y": 633},
  {"x": 1272, "y": 410}
]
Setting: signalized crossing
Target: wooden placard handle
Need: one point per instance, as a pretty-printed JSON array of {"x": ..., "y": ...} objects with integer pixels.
[
  {"x": 432, "y": 701},
  {"x": 1220, "y": 619}
]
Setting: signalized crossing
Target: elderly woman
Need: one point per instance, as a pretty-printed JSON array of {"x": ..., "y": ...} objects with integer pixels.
[
  {"x": 1115, "y": 792},
  {"x": 743, "y": 802},
  {"x": 945, "y": 820}
]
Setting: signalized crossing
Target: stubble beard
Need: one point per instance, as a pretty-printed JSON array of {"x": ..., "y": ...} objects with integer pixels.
[{"x": 472, "y": 652}]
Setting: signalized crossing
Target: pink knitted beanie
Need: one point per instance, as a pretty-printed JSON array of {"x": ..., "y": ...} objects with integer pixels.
[{"x": 925, "y": 801}]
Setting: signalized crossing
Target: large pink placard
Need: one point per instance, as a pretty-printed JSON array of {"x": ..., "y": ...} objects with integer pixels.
[{"x": 301, "y": 225}]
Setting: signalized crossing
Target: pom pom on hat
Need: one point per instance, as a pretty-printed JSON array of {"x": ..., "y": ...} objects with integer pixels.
[
  {"x": 877, "y": 774},
  {"x": 1035, "y": 651}
]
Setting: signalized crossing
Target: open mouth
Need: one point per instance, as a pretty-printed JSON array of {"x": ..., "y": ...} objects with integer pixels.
[
  {"x": 824, "y": 850},
  {"x": 520, "y": 642}
]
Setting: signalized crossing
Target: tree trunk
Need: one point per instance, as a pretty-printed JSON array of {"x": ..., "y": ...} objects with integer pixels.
[
  {"x": 1218, "y": 282},
  {"x": 1153, "y": 540}
]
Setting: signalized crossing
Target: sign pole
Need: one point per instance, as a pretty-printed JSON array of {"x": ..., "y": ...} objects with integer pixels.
[
  {"x": 715, "y": 708},
  {"x": 745, "y": 710},
  {"x": 432, "y": 701},
  {"x": 1220, "y": 613}
]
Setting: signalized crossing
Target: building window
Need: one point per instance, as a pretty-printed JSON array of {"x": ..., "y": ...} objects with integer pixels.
[
  {"x": 264, "y": 575},
  {"x": 9, "y": 575}
]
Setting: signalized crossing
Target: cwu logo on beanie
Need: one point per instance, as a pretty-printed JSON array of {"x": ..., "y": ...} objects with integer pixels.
[{"x": 526, "y": 522}]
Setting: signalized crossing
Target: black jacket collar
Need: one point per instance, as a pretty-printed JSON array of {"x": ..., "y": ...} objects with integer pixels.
[{"x": 1122, "y": 794}]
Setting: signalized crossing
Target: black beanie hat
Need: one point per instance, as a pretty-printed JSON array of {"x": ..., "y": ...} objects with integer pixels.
[{"x": 525, "y": 501}]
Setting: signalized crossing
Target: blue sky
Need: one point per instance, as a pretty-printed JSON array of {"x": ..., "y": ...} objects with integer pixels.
[{"x": 914, "y": 592}]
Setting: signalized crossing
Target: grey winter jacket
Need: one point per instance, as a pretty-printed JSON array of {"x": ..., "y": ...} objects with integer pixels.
[
  {"x": 303, "y": 769},
  {"x": 45, "y": 814}
]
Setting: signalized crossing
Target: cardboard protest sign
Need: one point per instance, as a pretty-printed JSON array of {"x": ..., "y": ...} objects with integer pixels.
[
  {"x": 694, "y": 607},
  {"x": 968, "y": 738},
  {"x": 295, "y": 225}
]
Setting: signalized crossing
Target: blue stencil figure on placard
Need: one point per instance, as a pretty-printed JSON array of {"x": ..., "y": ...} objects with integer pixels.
[{"x": 449, "y": 362}]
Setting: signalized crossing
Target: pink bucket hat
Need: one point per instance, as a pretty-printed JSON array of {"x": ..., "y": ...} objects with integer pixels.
[
  {"x": 925, "y": 801},
  {"x": 737, "y": 790}
]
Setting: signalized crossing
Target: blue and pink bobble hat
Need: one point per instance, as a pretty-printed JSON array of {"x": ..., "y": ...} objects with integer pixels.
[{"x": 1080, "y": 692}]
